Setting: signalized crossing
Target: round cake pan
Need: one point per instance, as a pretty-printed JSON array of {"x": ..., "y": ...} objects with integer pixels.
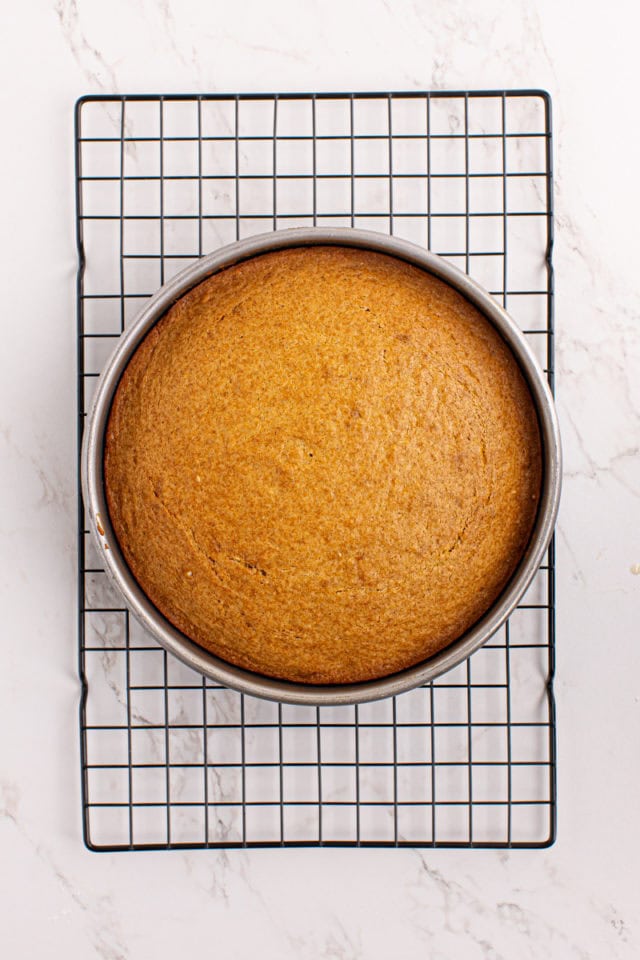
[{"x": 197, "y": 657}]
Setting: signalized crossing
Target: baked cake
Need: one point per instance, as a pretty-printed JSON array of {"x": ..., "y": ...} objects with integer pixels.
[{"x": 323, "y": 464}]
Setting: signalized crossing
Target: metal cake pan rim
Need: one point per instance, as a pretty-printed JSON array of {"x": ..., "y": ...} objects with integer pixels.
[{"x": 197, "y": 657}]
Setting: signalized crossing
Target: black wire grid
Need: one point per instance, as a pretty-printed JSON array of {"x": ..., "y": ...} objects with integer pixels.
[{"x": 170, "y": 759}]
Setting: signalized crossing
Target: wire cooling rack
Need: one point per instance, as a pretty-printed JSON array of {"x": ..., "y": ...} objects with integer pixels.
[{"x": 170, "y": 759}]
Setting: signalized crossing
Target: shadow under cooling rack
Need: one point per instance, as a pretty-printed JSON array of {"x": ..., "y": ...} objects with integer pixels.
[{"x": 170, "y": 759}]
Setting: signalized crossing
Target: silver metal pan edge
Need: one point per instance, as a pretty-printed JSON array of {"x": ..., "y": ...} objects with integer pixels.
[{"x": 197, "y": 657}]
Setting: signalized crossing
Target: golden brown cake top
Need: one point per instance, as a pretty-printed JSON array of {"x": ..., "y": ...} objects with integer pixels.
[{"x": 323, "y": 464}]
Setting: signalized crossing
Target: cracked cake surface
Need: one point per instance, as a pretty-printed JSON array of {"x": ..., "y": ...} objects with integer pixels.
[{"x": 322, "y": 464}]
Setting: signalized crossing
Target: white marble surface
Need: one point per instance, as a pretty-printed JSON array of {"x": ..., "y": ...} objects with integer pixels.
[{"x": 582, "y": 897}]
